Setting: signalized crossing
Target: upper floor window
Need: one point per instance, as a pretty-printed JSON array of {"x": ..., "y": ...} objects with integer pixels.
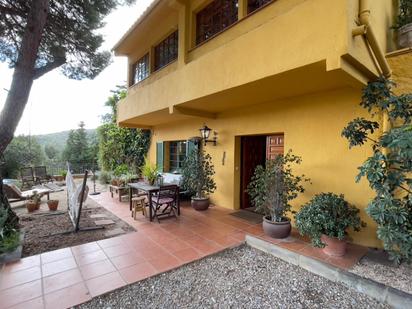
[
  {"x": 214, "y": 18},
  {"x": 253, "y": 5},
  {"x": 166, "y": 51},
  {"x": 141, "y": 69}
]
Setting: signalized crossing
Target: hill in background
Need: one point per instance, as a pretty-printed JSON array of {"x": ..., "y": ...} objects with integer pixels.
[{"x": 59, "y": 139}]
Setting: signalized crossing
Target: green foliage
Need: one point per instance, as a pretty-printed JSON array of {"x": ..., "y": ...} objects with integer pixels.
[
  {"x": 120, "y": 170},
  {"x": 22, "y": 151},
  {"x": 105, "y": 177},
  {"x": 405, "y": 13},
  {"x": 51, "y": 152},
  {"x": 77, "y": 147},
  {"x": 329, "y": 214},
  {"x": 197, "y": 174},
  {"x": 70, "y": 37},
  {"x": 274, "y": 186},
  {"x": 9, "y": 237},
  {"x": 120, "y": 145},
  {"x": 149, "y": 171},
  {"x": 63, "y": 173},
  {"x": 389, "y": 168}
]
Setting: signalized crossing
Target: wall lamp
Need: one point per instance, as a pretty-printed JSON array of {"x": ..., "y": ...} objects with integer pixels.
[{"x": 205, "y": 134}]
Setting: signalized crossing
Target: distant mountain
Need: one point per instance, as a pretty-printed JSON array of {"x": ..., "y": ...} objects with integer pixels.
[{"x": 58, "y": 139}]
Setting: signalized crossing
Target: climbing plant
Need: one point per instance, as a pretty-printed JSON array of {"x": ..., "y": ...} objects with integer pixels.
[{"x": 388, "y": 169}]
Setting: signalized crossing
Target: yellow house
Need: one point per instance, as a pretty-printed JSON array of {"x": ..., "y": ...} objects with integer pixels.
[{"x": 266, "y": 76}]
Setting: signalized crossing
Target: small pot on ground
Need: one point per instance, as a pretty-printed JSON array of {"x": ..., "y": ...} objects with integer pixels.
[
  {"x": 333, "y": 246},
  {"x": 32, "y": 205},
  {"x": 53, "y": 204},
  {"x": 276, "y": 229},
  {"x": 200, "y": 203}
]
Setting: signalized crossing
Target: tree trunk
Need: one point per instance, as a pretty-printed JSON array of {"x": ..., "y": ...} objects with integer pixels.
[{"x": 22, "y": 81}]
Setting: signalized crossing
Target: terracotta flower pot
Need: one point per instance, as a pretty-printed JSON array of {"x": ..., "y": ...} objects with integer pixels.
[
  {"x": 334, "y": 246},
  {"x": 53, "y": 204},
  {"x": 31, "y": 205},
  {"x": 200, "y": 203},
  {"x": 276, "y": 229}
]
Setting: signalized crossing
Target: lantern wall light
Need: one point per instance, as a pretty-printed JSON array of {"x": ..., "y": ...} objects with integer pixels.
[{"x": 205, "y": 134}]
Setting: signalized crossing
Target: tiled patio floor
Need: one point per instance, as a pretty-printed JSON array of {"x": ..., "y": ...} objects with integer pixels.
[{"x": 70, "y": 276}]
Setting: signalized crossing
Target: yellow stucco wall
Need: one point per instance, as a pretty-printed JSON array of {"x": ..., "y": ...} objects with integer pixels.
[{"x": 312, "y": 125}]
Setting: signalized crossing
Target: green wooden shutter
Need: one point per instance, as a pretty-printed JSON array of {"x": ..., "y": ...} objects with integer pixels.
[
  {"x": 190, "y": 145},
  {"x": 160, "y": 156}
]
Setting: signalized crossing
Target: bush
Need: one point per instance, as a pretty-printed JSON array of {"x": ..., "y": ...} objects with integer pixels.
[
  {"x": 197, "y": 174},
  {"x": 274, "y": 185},
  {"x": 105, "y": 177},
  {"x": 329, "y": 214},
  {"x": 121, "y": 169},
  {"x": 9, "y": 237}
]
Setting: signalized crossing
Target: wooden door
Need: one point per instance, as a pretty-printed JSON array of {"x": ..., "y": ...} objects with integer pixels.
[
  {"x": 253, "y": 153},
  {"x": 274, "y": 146}
]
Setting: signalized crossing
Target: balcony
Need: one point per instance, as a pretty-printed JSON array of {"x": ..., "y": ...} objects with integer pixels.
[{"x": 287, "y": 49}]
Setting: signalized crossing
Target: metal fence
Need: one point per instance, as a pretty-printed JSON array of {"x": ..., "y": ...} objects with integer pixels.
[{"x": 57, "y": 168}]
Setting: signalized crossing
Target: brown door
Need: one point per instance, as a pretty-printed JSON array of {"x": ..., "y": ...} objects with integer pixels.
[
  {"x": 274, "y": 146},
  {"x": 253, "y": 153}
]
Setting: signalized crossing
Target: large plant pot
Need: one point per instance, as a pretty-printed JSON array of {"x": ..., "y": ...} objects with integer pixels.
[
  {"x": 53, "y": 204},
  {"x": 334, "y": 247},
  {"x": 276, "y": 229},
  {"x": 200, "y": 203},
  {"x": 405, "y": 36}
]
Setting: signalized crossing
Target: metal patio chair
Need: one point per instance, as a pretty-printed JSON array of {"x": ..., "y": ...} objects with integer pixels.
[
  {"x": 27, "y": 177},
  {"x": 40, "y": 175},
  {"x": 166, "y": 202}
]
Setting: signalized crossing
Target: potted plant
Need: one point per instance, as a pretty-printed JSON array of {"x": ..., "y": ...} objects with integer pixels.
[
  {"x": 53, "y": 204},
  {"x": 404, "y": 24},
  {"x": 197, "y": 171},
  {"x": 326, "y": 219},
  {"x": 149, "y": 172},
  {"x": 272, "y": 188},
  {"x": 34, "y": 202}
]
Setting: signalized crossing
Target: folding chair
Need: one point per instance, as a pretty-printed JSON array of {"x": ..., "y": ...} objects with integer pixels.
[
  {"x": 166, "y": 202},
  {"x": 27, "y": 177}
]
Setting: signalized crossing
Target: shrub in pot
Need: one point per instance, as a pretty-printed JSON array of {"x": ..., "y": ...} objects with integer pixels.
[
  {"x": 404, "y": 24},
  {"x": 326, "y": 219},
  {"x": 272, "y": 188},
  {"x": 149, "y": 171},
  {"x": 33, "y": 203},
  {"x": 197, "y": 178}
]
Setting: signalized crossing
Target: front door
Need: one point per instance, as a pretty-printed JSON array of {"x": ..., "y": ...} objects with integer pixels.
[
  {"x": 274, "y": 146},
  {"x": 253, "y": 153}
]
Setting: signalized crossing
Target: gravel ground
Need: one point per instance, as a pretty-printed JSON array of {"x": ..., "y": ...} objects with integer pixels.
[
  {"x": 238, "y": 278},
  {"x": 376, "y": 267}
]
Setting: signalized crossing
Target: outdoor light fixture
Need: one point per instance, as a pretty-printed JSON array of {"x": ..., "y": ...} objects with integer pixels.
[{"x": 205, "y": 133}]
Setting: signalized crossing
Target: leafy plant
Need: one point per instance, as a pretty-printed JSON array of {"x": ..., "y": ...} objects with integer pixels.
[
  {"x": 150, "y": 171},
  {"x": 389, "y": 168},
  {"x": 405, "y": 13},
  {"x": 274, "y": 185},
  {"x": 120, "y": 170},
  {"x": 105, "y": 177},
  {"x": 329, "y": 214},
  {"x": 63, "y": 173},
  {"x": 197, "y": 174},
  {"x": 9, "y": 237}
]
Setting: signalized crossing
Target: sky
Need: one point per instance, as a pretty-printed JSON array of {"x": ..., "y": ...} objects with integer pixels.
[{"x": 57, "y": 103}]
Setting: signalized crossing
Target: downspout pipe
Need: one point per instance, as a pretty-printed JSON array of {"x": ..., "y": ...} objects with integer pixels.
[{"x": 366, "y": 29}]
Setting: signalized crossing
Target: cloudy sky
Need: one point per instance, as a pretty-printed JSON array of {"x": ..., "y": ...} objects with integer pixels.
[{"x": 57, "y": 103}]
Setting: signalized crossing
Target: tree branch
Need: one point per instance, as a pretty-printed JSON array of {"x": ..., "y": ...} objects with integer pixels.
[
  {"x": 10, "y": 11},
  {"x": 39, "y": 72}
]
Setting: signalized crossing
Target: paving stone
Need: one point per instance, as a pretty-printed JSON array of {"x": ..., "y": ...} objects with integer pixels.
[
  {"x": 104, "y": 222},
  {"x": 98, "y": 216},
  {"x": 114, "y": 232}
]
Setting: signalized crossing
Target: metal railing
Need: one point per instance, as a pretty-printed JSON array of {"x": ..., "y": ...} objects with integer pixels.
[{"x": 56, "y": 168}]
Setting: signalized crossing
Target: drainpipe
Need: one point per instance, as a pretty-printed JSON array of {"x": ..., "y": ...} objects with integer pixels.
[{"x": 366, "y": 29}]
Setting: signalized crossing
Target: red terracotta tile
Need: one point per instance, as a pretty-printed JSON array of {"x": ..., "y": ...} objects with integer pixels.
[
  {"x": 127, "y": 260},
  {"x": 22, "y": 264},
  {"x": 152, "y": 252},
  {"x": 20, "y": 294},
  {"x": 239, "y": 235},
  {"x": 227, "y": 241},
  {"x": 138, "y": 272},
  {"x": 97, "y": 269},
  {"x": 256, "y": 230},
  {"x": 175, "y": 245},
  {"x": 67, "y": 297},
  {"x": 105, "y": 283},
  {"x": 165, "y": 262},
  {"x": 61, "y": 280},
  {"x": 85, "y": 248},
  {"x": 313, "y": 252},
  {"x": 36, "y": 303},
  {"x": 56, "y": 255},
  {"x": 91, "y": 257},
  {"x": 58, "y": 266},
  {"x": 206, "y": 247},
  {"x": 117, "y": 250},
  {"x": 109, "y": 242},
  {"x": 187, "y": 255},
  {"x": 8, "y": 280}
]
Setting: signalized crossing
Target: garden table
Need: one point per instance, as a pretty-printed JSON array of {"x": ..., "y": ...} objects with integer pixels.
[{"x": 149, "y": 189}]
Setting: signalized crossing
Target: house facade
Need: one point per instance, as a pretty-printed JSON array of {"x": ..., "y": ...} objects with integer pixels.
[{"x": 266, "y": 76}]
